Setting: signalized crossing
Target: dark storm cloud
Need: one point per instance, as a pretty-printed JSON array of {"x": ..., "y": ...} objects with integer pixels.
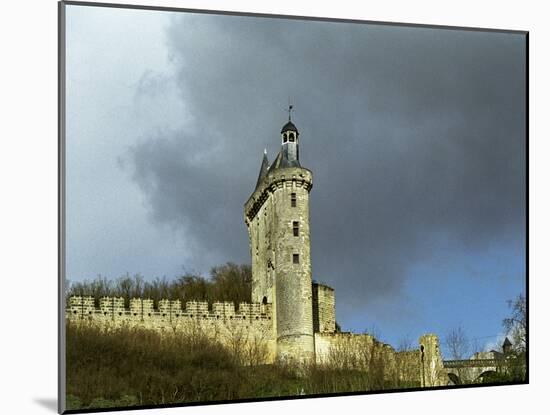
[{"x": 412, "y": 134}]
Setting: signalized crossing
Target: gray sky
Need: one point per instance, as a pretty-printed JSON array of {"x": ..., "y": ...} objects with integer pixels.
[{"x": 415, "y": 138}]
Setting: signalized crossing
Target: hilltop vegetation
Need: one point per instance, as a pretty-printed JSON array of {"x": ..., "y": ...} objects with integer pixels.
[
  {"x": 134, "y": 366},
  {"x": 229, "y": 282},
  {"x": 127, "y": 367}
]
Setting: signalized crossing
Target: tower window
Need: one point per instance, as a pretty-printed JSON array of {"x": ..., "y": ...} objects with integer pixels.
[
  {"x": 284, "y": 138},
  {"x": 295, "y": 258},
  {"x": 293, "y": 200},
  {"x": 295, "y": 229},
  {"x": 291, "y": 137}
]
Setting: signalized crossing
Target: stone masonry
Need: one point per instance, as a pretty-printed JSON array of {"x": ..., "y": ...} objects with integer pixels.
[{"x": 292, "y": 316}]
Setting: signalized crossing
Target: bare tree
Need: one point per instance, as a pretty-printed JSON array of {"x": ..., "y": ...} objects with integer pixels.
[
  {"x": 476, "y": 346},
  {"x": 405, "y": 344},
  {"x": 228, "y": 282},
  {"x": 516, "y": 325},
  {"x": 457, "y": 343},
  {"x": 374, "y": 331}
]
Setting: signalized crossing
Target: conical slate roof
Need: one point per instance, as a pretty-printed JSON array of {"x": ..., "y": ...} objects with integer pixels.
[
  {"x": 282, "y": 161},
  {"x": 263, "y": 169}
]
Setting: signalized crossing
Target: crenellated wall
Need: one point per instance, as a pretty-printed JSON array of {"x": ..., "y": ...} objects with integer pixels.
[
  {"x": 246, "y": 328},
  {"x": 249, "y": 330},
  {"x": 142, "y": 309}
]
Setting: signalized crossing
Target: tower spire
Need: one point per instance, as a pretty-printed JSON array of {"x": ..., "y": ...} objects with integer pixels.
[{"x": 290, "y": 108}]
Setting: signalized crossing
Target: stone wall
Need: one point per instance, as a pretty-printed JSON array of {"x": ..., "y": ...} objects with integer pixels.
[
  {"x": 432, "y": 371},
  {"x": 364, "y": 352},
  {"x": 345, "y": 350},
  {"x": 246, "y": 329},
  {"x": 249, "y": 330},
  {"x": 324, "y": 313},
  {"x": 469, "y": 375},
  {"x": 409, "y": 364},
  {"x": 276, "y": 278}
]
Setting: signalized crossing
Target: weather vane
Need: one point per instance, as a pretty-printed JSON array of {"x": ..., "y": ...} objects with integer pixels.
[{"x": 290, "y": 107}]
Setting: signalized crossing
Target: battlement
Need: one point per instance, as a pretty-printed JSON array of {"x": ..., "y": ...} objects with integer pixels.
[
  {"x": 289, "y": 177},
  {"x": 140, "y": 308}
]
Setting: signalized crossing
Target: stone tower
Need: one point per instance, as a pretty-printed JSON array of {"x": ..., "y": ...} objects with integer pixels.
[{"x": 277, "y": 218}]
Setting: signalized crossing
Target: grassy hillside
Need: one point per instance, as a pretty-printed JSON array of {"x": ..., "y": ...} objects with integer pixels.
[{"x": 138, "y": 367}]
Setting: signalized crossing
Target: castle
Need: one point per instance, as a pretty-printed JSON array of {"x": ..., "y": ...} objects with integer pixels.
[
  {"x": 277, "y": 218},
  {"x": 291, "y": 316},
  {"x": 304, "y": 317}
]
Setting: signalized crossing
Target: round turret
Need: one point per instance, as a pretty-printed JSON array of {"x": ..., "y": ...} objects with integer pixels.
[{"x": 277, "y": 217}]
